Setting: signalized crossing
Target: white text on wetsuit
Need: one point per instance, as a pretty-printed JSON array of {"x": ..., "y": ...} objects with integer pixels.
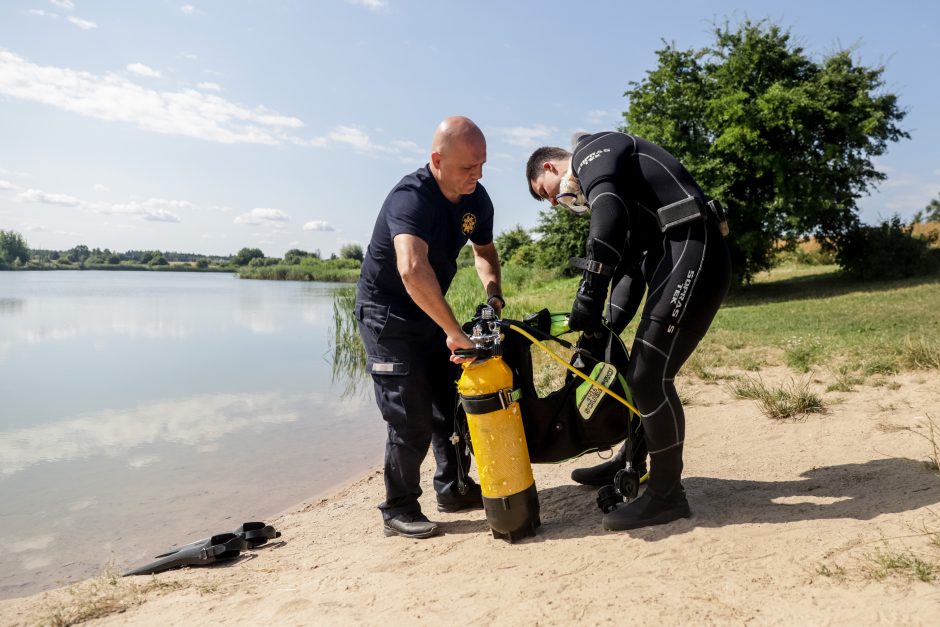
[
  {"x": 591, "y": 157},
  {"x": 678, "y": 298}
]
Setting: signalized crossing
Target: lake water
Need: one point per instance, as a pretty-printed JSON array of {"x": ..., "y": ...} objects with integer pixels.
[{"x": 139, "y": 410}]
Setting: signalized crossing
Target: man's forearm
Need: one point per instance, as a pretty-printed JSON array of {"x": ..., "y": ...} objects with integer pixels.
[
  {"x": 421, "y": 284},
  {"x": 486, "y": 261}
]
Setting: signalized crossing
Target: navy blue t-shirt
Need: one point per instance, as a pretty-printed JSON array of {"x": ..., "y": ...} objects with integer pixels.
[{"x": 416, "y": 206}]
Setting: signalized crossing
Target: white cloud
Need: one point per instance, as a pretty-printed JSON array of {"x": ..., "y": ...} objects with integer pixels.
[
  {"x": 98, "y": 187},
  {"x": 189, "y": 9},
  {"x": 7, "y": 185},
  {"x": 68, "y": 5},
  {"x": 38, "y": 228},
  {"x": 262, "y": 215},
  {"x": 113, "y": 98},
  {"x": 318, "y": 225},
  {"x": 42, "y": 13},
  {"x": 143, "y": 70},
  {"x": 527, "y": 136},
  {"x": 374, "y": 5},
  {"x": 357, "y": 139},
  {"x": 354, "y": 137},
  {"x": 219, "y": 208},
  {"x": 44, "y": 198},
  {"x": 600, "y": 116},
  {"x": 408, "y": 146},
  {"x": 82, "y": 24},
  {"x": 160, "y": 216},
  {"x": 152, "y": 210},
  {"x": 210, "y": 86},
  {"x": 188, "y": 56}
]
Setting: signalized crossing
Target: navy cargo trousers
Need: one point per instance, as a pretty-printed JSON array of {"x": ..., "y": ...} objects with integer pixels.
[{"x": 415, "y": 389}]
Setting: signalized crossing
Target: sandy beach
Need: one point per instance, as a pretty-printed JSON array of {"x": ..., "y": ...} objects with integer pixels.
[{"x": 830, "y": 518}]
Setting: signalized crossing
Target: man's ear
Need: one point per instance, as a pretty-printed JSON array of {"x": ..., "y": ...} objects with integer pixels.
[
  {"x": 548, "y": 166},
  {"x": 436, "y": 160}
]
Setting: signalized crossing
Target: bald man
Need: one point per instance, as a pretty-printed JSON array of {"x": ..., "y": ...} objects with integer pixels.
[{"x": 409, "y": 330}]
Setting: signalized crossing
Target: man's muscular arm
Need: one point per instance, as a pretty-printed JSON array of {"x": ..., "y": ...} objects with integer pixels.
[
  {"x": 486, "y": 260},
  {"x": 416, "y": 273}
]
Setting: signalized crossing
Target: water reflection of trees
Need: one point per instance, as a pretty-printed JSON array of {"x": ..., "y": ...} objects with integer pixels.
[
  {"x": 11, "y": 305},
  {"x": 349, "y": 355}
]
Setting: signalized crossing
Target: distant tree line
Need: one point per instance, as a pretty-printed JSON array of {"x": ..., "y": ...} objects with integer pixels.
[{"x": 15, "y": 253}]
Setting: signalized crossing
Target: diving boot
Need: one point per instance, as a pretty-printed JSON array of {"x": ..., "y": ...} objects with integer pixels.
[
  {"x": 603, "y": 474},
  {"x": 648, "y": 510}
]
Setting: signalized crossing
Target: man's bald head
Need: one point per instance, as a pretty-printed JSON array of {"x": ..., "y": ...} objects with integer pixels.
[
  {"x": 456, "y": 129},
  {"x": 458, "y": 152}
]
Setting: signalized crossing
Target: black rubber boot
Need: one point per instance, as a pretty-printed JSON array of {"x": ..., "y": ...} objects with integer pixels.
[
  {"x": 648, "y": 510},
  {"x": 664, "y": 500},
  {"x": 603, "y": 474}
]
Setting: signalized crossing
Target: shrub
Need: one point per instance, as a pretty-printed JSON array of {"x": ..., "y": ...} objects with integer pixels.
[{"x": 885, "y": 251}]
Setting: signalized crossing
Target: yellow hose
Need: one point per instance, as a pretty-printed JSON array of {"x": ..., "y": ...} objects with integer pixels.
[{"x": 564, "y": 363}]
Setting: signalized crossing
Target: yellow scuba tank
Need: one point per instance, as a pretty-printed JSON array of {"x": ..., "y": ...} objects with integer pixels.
[{"x": 510, "y": 497}]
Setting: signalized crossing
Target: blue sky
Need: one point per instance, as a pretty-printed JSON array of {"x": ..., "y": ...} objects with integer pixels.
[{"x": 209, "y": 125}]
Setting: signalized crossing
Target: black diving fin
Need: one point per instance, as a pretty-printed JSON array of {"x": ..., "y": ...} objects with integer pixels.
[{"x": 218, "y": 548}]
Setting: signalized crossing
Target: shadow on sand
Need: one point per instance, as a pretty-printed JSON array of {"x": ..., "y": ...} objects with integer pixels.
[{"x": 851, "y": 491}]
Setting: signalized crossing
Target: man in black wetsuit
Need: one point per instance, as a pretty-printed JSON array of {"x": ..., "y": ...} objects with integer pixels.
[
  {"x": 652, "y": 229},
  {"x": 409, "y": 330}
]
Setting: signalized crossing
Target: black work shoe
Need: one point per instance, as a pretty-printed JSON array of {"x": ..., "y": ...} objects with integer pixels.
[
  {"x": 648, "y": 510},
  {"x": 453, "y": 501},
  {"x": 411, "y": 526},
  {"x": 603, "y": 474}
]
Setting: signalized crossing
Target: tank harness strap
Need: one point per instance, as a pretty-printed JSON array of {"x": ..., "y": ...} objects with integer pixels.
[
  {"x": 487, "y": 403},
  {"x": 589, "y": 265}
]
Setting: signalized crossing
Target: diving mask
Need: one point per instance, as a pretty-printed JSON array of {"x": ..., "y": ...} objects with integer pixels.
[{"x": 570, "y": 195}]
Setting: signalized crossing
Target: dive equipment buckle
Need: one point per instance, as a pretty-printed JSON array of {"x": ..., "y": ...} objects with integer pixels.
[{"x": 590, "y": 265}]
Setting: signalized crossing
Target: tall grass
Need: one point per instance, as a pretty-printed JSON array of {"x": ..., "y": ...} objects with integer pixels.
[
  {"x": 300, "y": 272},
  {"x": 348, "y": 352}
]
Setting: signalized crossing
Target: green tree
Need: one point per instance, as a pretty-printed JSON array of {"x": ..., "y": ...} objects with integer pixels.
[
  {"x": 785, "y": 141},
  {"x": 564, "y": 235},
  {"x": 294, "y": 255},
  {"x": 930, "y": 213},
  {"x": 13, "y": 247},
  {"x": 245, "y": 255},
  {"x": 509, "y": 242},
  {"x": 78, "y": 254},
  {"x": 351, "y": 251}
]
